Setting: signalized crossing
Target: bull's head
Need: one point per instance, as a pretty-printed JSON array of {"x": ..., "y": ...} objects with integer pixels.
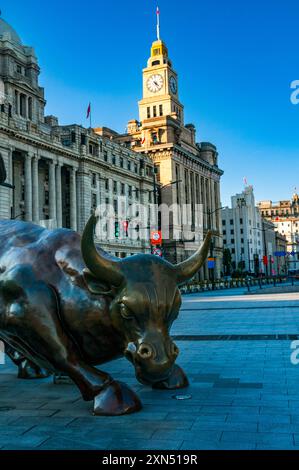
[{"x": 146, "y": 301}]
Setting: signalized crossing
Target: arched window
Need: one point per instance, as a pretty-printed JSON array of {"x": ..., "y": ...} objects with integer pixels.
[{"x": 23, "y": 105}]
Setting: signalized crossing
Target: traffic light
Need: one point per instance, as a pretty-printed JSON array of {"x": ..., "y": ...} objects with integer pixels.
[
  {"x": 125, "y": 227},
  {"x": 116, "y": 229}
]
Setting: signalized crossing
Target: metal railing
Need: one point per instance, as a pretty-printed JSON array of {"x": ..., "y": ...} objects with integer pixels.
[{"x": 220, "y": 284}]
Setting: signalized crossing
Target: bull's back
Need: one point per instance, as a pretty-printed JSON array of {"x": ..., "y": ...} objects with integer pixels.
[{"x": 27, "y": 243}]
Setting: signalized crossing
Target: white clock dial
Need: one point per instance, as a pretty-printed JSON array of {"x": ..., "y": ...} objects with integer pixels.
[
  {"x": 155, "y": 83},
  {"x": 173, "y": 85}
]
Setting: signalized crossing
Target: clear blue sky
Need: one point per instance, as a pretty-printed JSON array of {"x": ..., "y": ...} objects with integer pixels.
[{"x": 235, "y": 59}]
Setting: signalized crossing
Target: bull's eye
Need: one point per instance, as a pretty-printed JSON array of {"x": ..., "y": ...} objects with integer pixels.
[{"x": 125, "y": 312}]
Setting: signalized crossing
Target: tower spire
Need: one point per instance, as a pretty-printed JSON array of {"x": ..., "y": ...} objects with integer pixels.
[{"x": 158, "y": 23}]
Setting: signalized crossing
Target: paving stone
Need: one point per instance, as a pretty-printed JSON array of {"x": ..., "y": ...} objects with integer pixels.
[
  {"x": 141, "y": 444},
  {"x": 204, "y": 445},
  {"x": 70, "y": 444},
  {"x": 258, "y": 438}
]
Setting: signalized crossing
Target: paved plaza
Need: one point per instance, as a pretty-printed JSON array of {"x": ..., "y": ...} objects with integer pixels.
[{"x": 236, "y": 351}]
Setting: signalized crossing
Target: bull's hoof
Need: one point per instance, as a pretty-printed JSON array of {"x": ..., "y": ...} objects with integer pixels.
[
  {"x": 116, "y": 399},
  {"x": 27, "y": 370},
  {"x": 176, "y": 380}
]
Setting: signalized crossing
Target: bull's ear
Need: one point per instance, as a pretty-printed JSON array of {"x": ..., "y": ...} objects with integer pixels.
[{"x": 95, "y": 286}]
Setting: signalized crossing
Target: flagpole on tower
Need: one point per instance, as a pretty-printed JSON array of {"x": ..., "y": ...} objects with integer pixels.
[{"x": 158, "y": 23}]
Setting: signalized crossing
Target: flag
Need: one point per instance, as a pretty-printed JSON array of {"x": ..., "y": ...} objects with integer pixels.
[
  {"x": 245, "y": 181},
  {"x": 158, "y": 11},
  {"x": 88, "y": 111}
]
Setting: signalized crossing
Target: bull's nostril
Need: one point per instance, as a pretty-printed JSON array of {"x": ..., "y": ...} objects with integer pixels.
[{"x": 145, "y": 351}]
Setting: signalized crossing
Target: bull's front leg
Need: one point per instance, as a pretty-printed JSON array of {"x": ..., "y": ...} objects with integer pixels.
[
  {"x": 177, "y": 379},
  {"x": 111, "y": 398}
]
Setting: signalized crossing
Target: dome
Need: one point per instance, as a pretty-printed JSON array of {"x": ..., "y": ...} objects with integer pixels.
[{"x": 5, "y": 28}]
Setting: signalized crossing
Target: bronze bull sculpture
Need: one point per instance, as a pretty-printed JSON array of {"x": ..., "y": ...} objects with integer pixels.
[{"x": 67, "y": 307}]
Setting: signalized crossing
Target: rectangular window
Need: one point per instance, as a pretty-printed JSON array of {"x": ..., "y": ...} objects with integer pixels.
[
  {"x": 94, "y": 201},
  {"x": 94, "y": 179},
  {"x": 148, "y": 113},
  {"x": 121, "y": 162},
  {"x": 186, "y": 187},
  {"x": 122, "y": 189},
  {"x": 107, "y": 184},
  {"x": 155, "y": 111},
  {"x": 115, "y": 187},
  {"x": 105, "y": 156},
  {"x": 161, "y": 110}
]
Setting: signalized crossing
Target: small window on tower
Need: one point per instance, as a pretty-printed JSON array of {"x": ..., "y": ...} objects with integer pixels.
[
  {"x": 155, "y": 111},
  {"x": 156, "y": 62},
  {"x": 157, "y": 51},
  {"x": 161, "y": 110},
  {"x": 148, "y": 113}
]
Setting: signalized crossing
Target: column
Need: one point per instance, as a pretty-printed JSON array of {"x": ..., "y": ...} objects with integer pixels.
[
  {"x": 52, "y": 192},
  {"x": 73, "y": 198},
  {"x": 58, "y": 195},
  {"x": 28, "y": 188},
  {"x": 35, "y": 189}
]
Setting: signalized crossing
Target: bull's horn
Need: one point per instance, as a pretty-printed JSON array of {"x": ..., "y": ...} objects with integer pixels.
[
  {"x": 102, "y": 265},
  {"x": 188, "y": 268}
]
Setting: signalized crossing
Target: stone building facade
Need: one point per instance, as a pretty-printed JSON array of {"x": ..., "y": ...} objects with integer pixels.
[
  {"x": 187, "y": 171},
  {"x": 285, "y": 217},
  {"x": 248, "y": 236},
  {"x": 60, "y": 173}
]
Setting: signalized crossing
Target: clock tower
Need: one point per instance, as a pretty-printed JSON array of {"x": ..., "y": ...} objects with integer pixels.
[
  {"x": 160, "y": 87},
  {"x": 186, "y": 171}
]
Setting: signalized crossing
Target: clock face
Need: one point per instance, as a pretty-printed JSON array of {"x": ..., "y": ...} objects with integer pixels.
[
  {"x": 173, "y": 85},
  {"x": 155, "y": 83}
]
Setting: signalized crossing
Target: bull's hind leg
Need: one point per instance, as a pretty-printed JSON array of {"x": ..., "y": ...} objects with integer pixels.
[
  {"x": 32, "y": 308},
  {"x": 26, "y": 368}
]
